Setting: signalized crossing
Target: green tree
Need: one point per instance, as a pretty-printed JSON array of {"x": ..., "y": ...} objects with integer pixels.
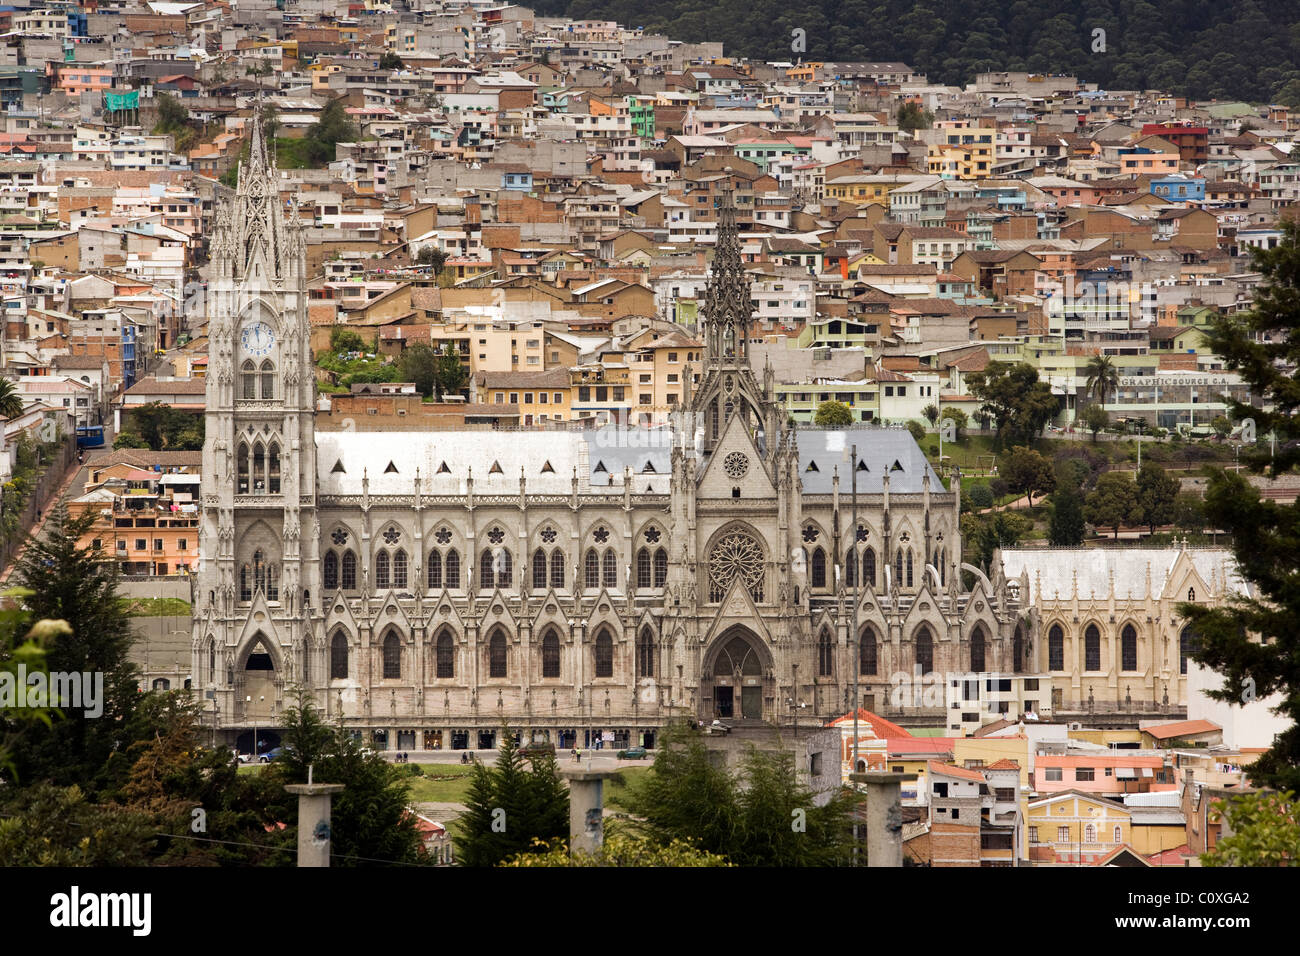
[
  {"x": 1157, "y": 492},
  {"x": 1018, "y": 402},
  {"x": 833, "y": 414},
  {"x": 431, "y": 255},
  {"x": 912, "y": 116},
  {"x": 346, "y": 340},
  {"x": 1265, "y": 831},
  {"x": 1095, "y": 419},
  {"x": 1222, "y": 426},
  {"x": 619, "y": 850},
  {"x": 11, "y": 403},
  {"x": 916, "y": 429},
  {"x": 1189, "y": 512},
  {"x": 1255, "y": 642},
  {"x": 1027, "y": 472},
  {"x": 1102, "y": 378},
  {"x": 419, "y": 364},
  {"x": 78, "y": 585},
  {"x": 958, "y": 419},
  {"x": 980, "y": 496},
  {"x": 1066, "y": 528},
  {"x": 332, "y": 128},
  {"x": 984, "y": 534},
  {"x": 127, "y": 438},
  {"x": 770, "y": 797},
  {"x": 390, "y": 61},
  {"x": 21, "y": 646},
  {"x": 931, "y": 413},
  {"x": 508, "y": 808},
  {"x": 48, "y": 825},
  {"x": 1113, "y": 502},
  {"x": 452, "y": 374}
]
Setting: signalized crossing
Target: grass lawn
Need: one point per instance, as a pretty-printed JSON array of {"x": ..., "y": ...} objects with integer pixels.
[
  {"x": 616, "y": 786},
  {"x": 965, "y": 453},
  {"x": 441, "y": 783},
  {"x": 157, "y": 607}
]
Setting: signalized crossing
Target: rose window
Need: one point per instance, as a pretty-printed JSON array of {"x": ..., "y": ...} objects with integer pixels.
[
  {"x": 810, "y": 533},
  {"x": 601, "y": 535},
  {"x": 548, "y": 535},
  {"x": 496, "y": 536},
  {"x": 391, "y": 536},
  {"x": 652, "y": 535},
  {"x": 442, "y": 536},
  {"x": 736, "y": 464},
  {"x": 737, "y": 555},
  {"x": 339, "y": 536}
]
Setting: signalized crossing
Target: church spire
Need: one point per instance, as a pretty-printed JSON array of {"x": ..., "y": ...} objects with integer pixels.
[{"x": 727, "y": 307}]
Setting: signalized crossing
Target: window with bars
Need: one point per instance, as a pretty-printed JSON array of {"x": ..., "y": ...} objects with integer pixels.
[
  {"x": 825, "y": 654},
  {"x": 550, "y": 655},
  {"x": 819, "y": 568},
  {"x": 661, "y": 568},
  {"x": 925, "y": 650},
  {"x": 644, "y": 577},
  {"x": 497, "y": 655},
  {"x": 557, "y": 568},
  {"x": 451, "y": 570},
  {"x": 331, "y": 570},
  {"x": 433, "y": 572},
  {"x": 609, "y": 569},
  {"x": 604, "y": 655},
  {"x": 539, "y": 570},
  {"x": 867, "y": 654},
  {"x": 392, "y": 657},
  {"x": 383, "y": 572},
  {"x": 399, "y": 568},
  {"x": 446, "y": 656}
]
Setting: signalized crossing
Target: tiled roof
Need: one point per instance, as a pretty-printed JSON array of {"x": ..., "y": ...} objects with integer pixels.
[
  {"x": 1182, "y": 728},
  {"x": 882, "y": 728}
]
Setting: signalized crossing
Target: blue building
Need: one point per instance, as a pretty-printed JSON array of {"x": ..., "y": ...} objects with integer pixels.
[{"x": 1178, "y": 188}]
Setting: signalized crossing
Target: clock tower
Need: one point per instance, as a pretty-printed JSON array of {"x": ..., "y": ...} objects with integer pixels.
[{"x": 257, "y": 593}]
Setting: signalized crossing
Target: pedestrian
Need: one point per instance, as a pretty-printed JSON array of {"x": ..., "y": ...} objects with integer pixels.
[{"x": 574, "y": 754}]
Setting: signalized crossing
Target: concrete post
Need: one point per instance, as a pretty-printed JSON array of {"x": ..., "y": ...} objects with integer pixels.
[
  {"x": 884, "y": 816},
  {"x": 314, "y": 821},
  {"x": 586, "y": 809}
]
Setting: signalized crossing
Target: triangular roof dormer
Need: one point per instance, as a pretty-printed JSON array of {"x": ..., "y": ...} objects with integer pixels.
[{"x": 338, "y": 468}]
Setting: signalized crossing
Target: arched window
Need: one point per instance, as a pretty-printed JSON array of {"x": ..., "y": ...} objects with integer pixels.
[
  {"x": 643, "y": 575},
  {"x": 609, "y": 569},
  {"x": 392, "y": 657},
  {"x": 1017, "y": 652},
  {"x": 591, "y": 570},
  {"x": 212, "y": 661},
  {"x": 898, "y": 567},
  {"x": 339, "y": 656},
  {"x": 446, "y": 656},
  {"x": 850, "y": 569},
  {"x": 1186, "y": 647},
  {"x": 909, "y": 567},
  {"x": 248, "y": 373},
  {"x": 497, "y": 655},
  {"x": 925, "y": 650},
  {"x": 1090, "y": 833},
  {"x": 242, "y": 464},
  {"x": 399, "y": 568},
  {"x": 604, "y": 654},
  {"x": 349, "y": 571},
  {"x": 550, "y": 655},
  {"x": 434, "y": 574},
  {"x": 867, "y": 654},
  {"x": 539, "y": 570},
  {"x": 382, "y": 570},
  {"x": 259, "y": 571},
  {"x": 1056, "y": 648},
  {"x": 818, "y": 568},
  {"x": 273, "y": 471},
  {"x": 1092, "y": 648},
  {"x": 557, "y": 568},
  {"x": 645, "y": 654},
  {"x": 1118, "y": 834},
  {"x": 869, "y": 567},
  {"x": 505, "y": 569},
  {"x": 452, "y": 575},
  {"x": 268, "y": 380},
  {"x": 825, "y": 652},
  {"x": 977, "y": 651},
  {"x": 331, "y": 572},
  {"x": 259, "y": 468},
  {"x": 661, "y": 567},
  {"x": 1128, "y": 648},
  {"x": 486, "y": 574}
]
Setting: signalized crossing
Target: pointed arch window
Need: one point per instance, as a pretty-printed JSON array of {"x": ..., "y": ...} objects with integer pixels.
[
  {"x": 869, "y": 567},
  {"x": 550, "y": 655},
  {"x": 591, "y": 570},
  {"x": 248, "y": 380},
  {"x": 433, "y": 572},
  {"x": 392, "y": 657},
  {"x": 268, "y": 380},
  {"x": 497, "y": 655},
  {"x": 273, "y": 469},
  {"x": 383, "y": 570},
  {"x": 867, "y": 654},
  {"x": 399, "y": 568},
  {"x": 819, "y": 568},
  {"x": 557, "y": 568},
  {"x": 331, "y": 572},
  {"x": 977, "y": 651},
  {"x": 643, "y": 575},
  {"x": 850, "y": 569},
  {"x": 446, "y": 656},
  {"x": 1092, "y": 648},
  {"x": 259, "y": 468},
  {"x": 539, "y": 570},
  {"x": 1128, "y": 648},
  {"x": 339, "y": 656},
  {"x": 349, "y": 571},
  {"x": 212, "y": 661},
  {"x": 1018, "y": 652},
  {"x": 242, "y": 464},
  {"x": 661, "y": 567},
  {"x": 609, "y": 569},
  {"x": 645, "y": 654},
  {"x": 909, "y": 567},
  {"x": 925, "y": 650},
  {"x": 604, "y": 654},
  {"x": 825, "y": 654},
  {"x": 452, "y": 569},
  {"x": 1056, "y": 648},
  {"x": 1187, "y": 641}
]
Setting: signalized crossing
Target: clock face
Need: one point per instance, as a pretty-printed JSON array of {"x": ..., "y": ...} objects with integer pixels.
[{"x": 257, "y": 338}]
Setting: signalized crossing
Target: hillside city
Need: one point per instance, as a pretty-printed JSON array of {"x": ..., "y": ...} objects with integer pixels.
[{"x": 539, "y": 274}]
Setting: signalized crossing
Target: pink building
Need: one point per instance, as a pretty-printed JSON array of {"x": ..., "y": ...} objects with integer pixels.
[{"x": 1111, "y": 772}]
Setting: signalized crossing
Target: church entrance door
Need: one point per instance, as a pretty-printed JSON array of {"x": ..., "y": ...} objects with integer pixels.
[
  {"x": 725, "y": 701},
  {"x": 751, "y": 703}
]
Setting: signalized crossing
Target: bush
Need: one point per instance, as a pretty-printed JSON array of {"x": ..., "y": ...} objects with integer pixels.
[
  {"x": 917, "y": 430},
  {"x": 981, "y": 496},
  {"x": 999, "y": 487}
]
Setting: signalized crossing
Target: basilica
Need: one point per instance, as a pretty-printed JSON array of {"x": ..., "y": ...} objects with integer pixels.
[{"x": 580, "y": 586}]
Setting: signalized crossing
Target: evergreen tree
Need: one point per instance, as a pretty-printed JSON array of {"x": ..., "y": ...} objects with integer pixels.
[
  {"x": 419, "y": 364},
  {"x": 1157, "y": 492},
  {"x": 78, "y": 585},
  {"x": 1255, "y": 643},
  {"x": 1113, "y": 502},
  {"x": 1067, "y": 528},
  {"x": 452, "y": 374},
  {"x": 1019, "y": 403}
]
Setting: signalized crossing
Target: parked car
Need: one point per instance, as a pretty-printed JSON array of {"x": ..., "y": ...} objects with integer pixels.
[
  {"x": 537, "y": 748},
  {"x": 273, "y": 754},
  {"x": 633, "y": 753}
]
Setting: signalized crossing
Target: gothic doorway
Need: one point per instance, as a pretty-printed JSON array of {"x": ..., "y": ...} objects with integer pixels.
[
  {"x": 735, "y": 678},
  {"x": 259, "y": 681}
]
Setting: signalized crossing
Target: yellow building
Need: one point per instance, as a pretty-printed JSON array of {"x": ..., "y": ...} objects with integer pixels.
[
  {"x": 963, "y": 152},
  {"x": 1072, "y": 828}
]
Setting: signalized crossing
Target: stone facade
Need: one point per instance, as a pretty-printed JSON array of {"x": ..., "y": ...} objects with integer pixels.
[{"x": 427, "y": 586}]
